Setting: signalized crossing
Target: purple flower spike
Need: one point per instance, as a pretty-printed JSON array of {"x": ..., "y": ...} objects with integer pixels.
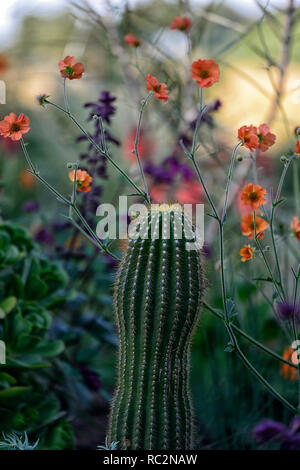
[
  {"x": 103, "y": 107},
  {"x": 92, "y": 157}
]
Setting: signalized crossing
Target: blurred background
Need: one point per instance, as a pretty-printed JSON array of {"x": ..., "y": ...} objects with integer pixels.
[{"x": 256, "y": 44}]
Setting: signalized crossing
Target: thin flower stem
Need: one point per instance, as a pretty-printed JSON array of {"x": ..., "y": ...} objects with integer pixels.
[
  {"x": 191, "y": 155},
  {"x": 274, "y": 208},
  {"x": 136, "y": 144},
  {"x": 223, "y": 283},
  {"x": 254, "y": 168},
  {"x": 92, "y": 237},
  {"x": 40, "y": 178},
  {"x": 106, "y": 155},
  {"x": 92, "y": 233},
  {"x": 137, "y": 63},
  {"x": 296, "y": 333},
  {"x": 296, "y": 188},
  {"x": 282, "y": 178},
  {"x": 100, "y": 150},
  {"x": 249, "y": 338},
  {"x": 66, "y": 96},
  {"x": 197, "y": 170},
  {"x": 74, "y": 190},
  {"x": 69, "y": 203},
  {"x": 221, "y": 240},
  {"x": 258, "y": 244},
  {"x": 202, "y": 110},
  {"x": 103, "y": 140},
  {"x": 80, "y": 229},
  {"x": 255, "y": 372},
  {"x": 275, "y": 252}
]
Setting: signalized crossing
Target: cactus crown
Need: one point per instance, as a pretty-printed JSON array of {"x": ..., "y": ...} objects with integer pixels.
[{"x": 158, "y": 292}]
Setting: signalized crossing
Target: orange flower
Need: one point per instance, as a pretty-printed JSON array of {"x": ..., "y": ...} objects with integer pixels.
[
  {"x": 181, "y": 23},
  {"x": 287, "y": 371},
  {"x": 131, "y": 40},
  {"x": 83, "y": 180},
  {"x": 266, "y": 138},
  {"x": 160, "y": 89},
  {"x": 14, "y": 126},
  {"x": 205, "y": 72},
  {"x": 247, "y": 226},
  {"x": 248, "y": 136},
  {"x": 69, "y": 69},
  {"x": 297, "y": 147},
  {"x": 295, "y": 226},
  {"x": 253, "y": 195},
  {"x": 246, "y": 253}
]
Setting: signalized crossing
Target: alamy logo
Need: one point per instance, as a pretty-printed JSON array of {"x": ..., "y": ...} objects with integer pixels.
[
  {"x": 2, "y": 352},
  {"x": 114, "y": 223},
  {"x": 2, "y": 92}
]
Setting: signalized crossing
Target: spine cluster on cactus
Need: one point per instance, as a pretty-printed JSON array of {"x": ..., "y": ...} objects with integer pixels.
[{"x": 158, "y": 293}]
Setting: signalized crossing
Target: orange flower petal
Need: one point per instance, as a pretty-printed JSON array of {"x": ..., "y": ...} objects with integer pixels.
[{"x": 246, "y": 253}]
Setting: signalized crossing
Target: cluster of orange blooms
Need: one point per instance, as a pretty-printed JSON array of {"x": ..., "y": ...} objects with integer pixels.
[
  {"x": 205, "y": 72},
  {"x": 254, "y": 195},
  {"x": 252, "y": 224}
]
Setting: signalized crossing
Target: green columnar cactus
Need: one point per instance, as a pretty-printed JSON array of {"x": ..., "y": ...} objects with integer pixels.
[{"x": 158, "y": 293}]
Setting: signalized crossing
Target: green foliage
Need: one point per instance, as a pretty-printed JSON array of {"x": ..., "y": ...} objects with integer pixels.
[
  {"x": 158, "y": 293},
  {"x": 58, "y": 436},
  {"x": 29, "y": 286}
]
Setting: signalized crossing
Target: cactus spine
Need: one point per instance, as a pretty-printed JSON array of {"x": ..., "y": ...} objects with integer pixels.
[{"x": 158, "y": 294}]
